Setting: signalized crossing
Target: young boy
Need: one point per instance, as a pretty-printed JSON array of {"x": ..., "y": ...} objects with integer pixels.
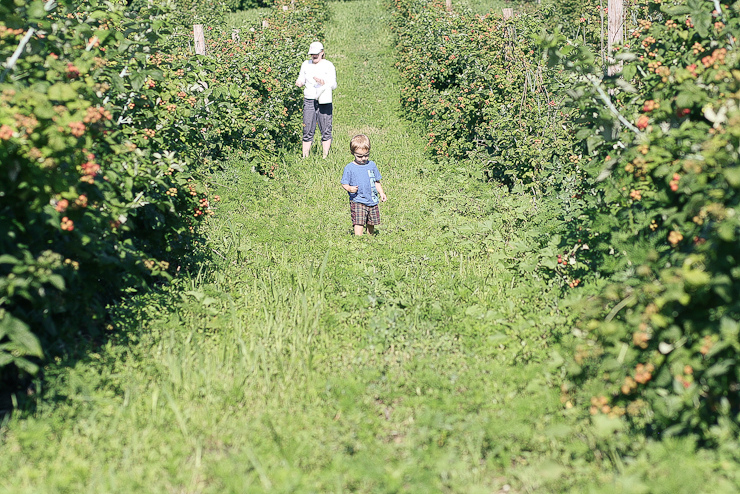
[{"x": 361, "y": 179}]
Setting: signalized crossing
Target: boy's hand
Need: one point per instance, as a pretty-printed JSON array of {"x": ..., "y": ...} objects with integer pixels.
[
  {"x": 383, "y": 197},
  {"x": 352, "y": 189}
]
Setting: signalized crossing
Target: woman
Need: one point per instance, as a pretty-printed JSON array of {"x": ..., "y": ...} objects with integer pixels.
[{"x": 317, "y": 78}]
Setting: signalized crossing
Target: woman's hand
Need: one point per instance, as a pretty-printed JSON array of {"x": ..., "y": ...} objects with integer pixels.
[
  {"x": 319, "y": 81},
  {"x": 300, "y": 83}
]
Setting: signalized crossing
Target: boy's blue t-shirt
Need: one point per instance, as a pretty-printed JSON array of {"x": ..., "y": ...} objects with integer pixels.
[{"x": 364, "y": 177}]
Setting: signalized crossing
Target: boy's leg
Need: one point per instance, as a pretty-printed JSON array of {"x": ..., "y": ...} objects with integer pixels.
[
  {"x": 359, "y": 216},
  {"x": 373, "y": 218}
]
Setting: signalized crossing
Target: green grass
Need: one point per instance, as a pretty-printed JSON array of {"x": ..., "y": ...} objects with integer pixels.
[
  {"x": 245, "y": 19},
  {"x": 302, "y": 359},
  {"x": 486, "y": 6}
]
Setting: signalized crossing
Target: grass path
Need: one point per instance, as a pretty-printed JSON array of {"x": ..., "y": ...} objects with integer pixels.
[{"x": 305, "y": 360}]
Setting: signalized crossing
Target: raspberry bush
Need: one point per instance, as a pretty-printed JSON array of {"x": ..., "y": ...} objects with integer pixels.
[
  {"x": 663, "y": 222},
  {"x": 478, "y": 86},
  {"x": 109, "y": 128}
]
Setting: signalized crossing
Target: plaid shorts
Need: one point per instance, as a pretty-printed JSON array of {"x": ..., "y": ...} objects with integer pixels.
[{"x": 364, "y": 215}]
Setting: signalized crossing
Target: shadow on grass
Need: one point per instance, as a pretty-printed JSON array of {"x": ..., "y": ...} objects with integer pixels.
[{"x": 113, "y": 317}]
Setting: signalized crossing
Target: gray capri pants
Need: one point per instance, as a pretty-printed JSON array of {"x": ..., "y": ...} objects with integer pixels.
[{"x": 314, "y": 113}]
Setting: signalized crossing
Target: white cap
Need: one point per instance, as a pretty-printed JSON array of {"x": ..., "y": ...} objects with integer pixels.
[{"x": 315, "y": 48}]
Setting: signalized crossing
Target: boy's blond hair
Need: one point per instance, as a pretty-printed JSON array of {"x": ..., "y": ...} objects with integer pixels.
[{"x": 360, "y": 142}]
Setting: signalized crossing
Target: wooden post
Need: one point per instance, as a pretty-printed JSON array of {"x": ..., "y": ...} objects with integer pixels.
[
  {"x": 235, "y": 35},
  {"x": 265, "y": 23},
  {"x": 601, "y": 31},
  {"x": 448, "y": 5},
  {"x": 509, "y": 33},
  {"x": 200, "y": 39},
  {"x": 614, "y": 33}
]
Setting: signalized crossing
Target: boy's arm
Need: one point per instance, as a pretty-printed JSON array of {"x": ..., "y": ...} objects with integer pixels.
[
  {"x": 346, "y": 180},
  {"x": 379, "y": 186}
]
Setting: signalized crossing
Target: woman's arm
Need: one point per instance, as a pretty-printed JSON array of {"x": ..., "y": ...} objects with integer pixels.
[
  {"x": 301, "y": 81},
  {"x": 330, "y": 77}
]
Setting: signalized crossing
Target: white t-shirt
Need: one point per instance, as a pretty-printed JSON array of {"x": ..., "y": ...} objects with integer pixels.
[{"x": 323, "y": 70}]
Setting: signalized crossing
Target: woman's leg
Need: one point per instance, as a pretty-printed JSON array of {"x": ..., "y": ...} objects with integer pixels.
[
  {"x": 325, "y": 114},
  {"x": 310, "y": 118},
  {"x": 326, "y": 145}
]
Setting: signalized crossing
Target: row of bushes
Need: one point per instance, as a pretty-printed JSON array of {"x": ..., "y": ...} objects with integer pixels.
[
  {"x": 109, "y": 125},
  {"x": 479, "y": 87},
  {"x": 239, "y": 96},
  {"x": 659, "y": 344},
  {"x": 646, "y": 164}
]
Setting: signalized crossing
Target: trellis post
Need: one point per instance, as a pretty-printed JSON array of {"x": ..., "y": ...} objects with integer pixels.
[
  {"x": 200, "y": 39},
  {"x": 509, "y": 32},
  {"x": 614, "y": 33}
]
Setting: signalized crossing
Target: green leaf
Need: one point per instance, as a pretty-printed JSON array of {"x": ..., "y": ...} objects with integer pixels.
[
  {"x": 678, "y": 10},
  {"x": 687, "y": 98},
  {"x": 629, "y": 72},
  {"x": 137, "y": 80},
  {"x": 605, "y": 427},
  {"x": 19, "y": 333},
  {"x": 8, "y": 259},
  {"x": 117, "y": 83},
  {"x": 732, "y": 175},
  {"x": 57, "y": 281},
  {"x": 26, "y": 365},
  {"x": 102, "y": 34},
  {"x": 696, "y": 277},
  {"x": 45, "y": 110},
  {"x": 726, "y": 231},
  {"x": 702, "y": 21},
  {"x": 593, "y": 141},
  {"x": 62, "y": 92},
  {"x": 627, "y": 56},
  {"x": 720, "y": 368},
  {"x": 36, "y": 10}
]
